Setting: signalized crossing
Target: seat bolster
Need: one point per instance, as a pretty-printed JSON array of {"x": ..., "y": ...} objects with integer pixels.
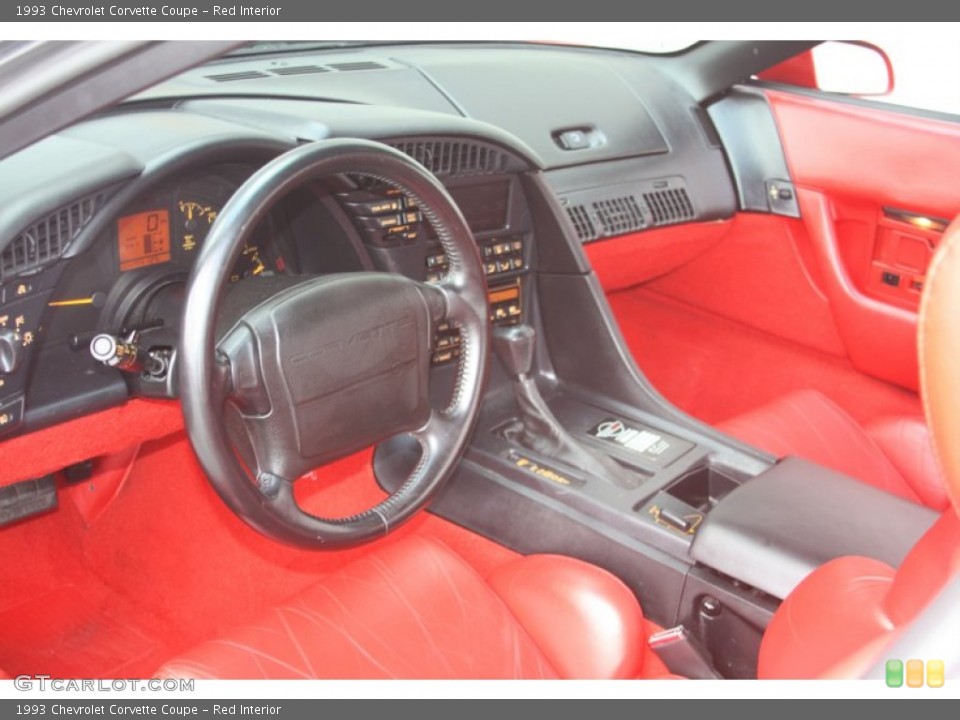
[
  {"x": 411, "y": 609},
  {"x": 807, "y": 424},
  {"x": 585, "y": 620},
  {"x": 906, "y": 443},
  {"x": 834, "y": 612}
]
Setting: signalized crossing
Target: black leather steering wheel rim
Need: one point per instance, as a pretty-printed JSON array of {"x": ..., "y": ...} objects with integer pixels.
[{"x": 266, "y": 501}]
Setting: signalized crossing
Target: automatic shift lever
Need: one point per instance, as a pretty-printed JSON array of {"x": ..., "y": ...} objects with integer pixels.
[
  {"x": 539, "y": 430},
  {"x": 514, "y": 346}
]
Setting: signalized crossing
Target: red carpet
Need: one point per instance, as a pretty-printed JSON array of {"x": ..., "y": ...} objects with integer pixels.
[
  {"x": 715, "y": 368},
  {"x": 168, "y": 565}
]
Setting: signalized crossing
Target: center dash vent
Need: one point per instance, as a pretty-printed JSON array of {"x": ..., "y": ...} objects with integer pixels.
[
  {"x": 619, "y": 215},
  {"x": 360, "y": 65},
  {"x": 628, "y": 207},
  {"x": 44, "y": 242},
  {"x": 582, "y": 223},
  {"x": 300, "y": 70},
  {"x": 235, "y": 76},
  {"x": 669, "y": 206},
  {"x": 454, "y": 158}
]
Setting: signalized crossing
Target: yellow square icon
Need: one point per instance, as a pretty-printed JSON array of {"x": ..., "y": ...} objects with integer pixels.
[
  {"x": 915, "y": 673},
  {"x": 935, "y": 673}
]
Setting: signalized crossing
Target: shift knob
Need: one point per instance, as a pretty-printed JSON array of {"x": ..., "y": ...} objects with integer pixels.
[{"x": 514, "y": 346}]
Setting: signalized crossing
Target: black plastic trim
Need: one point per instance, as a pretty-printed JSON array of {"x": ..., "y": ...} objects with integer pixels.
[{"x": 754, "y": 151}]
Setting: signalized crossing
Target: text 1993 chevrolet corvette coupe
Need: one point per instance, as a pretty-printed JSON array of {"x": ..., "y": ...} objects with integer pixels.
[{"x": 482, "y": 360}]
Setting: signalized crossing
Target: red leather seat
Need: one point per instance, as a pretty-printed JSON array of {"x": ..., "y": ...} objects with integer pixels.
[
  {"x": 853, "y": 602},
  {"x": 839, "y": 620},
  {"x": 415, "y": 609},
  {"x": 894, "y": 454}
]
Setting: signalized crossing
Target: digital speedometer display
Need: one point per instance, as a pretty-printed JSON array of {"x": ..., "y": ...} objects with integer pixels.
[{"x": 143, "y": 239}]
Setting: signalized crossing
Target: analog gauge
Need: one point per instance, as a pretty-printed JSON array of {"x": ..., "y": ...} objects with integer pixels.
[{"x": 196, "y": 217}]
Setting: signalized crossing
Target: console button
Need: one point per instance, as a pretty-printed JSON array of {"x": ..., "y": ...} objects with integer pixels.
[
  {"x": 376, "y": 207},
  {"x": 442, "y": 357}
]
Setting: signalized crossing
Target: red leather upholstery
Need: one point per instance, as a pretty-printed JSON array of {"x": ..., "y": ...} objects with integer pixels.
[
  {"x": 834, "y": 611},
  {"x": 586, "y": 623},
  {"x": 416, "y": 610},
  {"x": 894, "y": 455},
  {"x": 854, "y": 602},
  {"x": 838, "y": 621},
  {"x": 906, "y": 443}
]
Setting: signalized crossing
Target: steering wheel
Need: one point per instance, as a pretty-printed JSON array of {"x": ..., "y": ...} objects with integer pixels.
[{"x": 282, "y": 375}]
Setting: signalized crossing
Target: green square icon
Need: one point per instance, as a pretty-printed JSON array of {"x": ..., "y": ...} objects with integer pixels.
[{"x": 894, "y": 673}]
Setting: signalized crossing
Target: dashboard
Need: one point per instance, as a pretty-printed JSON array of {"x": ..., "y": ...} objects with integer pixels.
[{"x": 100, "y": 231}]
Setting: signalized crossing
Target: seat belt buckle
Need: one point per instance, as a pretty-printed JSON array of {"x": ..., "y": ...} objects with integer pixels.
[{"x": 683, "y": 654}]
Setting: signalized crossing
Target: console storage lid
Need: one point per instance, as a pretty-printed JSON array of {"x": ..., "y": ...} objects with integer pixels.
[{"x": 773, "y": 530}]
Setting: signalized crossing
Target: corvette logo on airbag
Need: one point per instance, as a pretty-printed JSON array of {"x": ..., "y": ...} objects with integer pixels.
[{"x": 373, "y": 342}]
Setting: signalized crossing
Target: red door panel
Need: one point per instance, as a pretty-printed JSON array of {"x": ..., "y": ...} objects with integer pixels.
[
  {"x": 873, "y": 186},
  {"x": 850, "y": 151}
]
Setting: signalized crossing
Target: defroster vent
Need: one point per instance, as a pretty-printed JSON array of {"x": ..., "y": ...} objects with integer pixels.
[
  {"x": 235, "y": 76},
  {"x": 294, "y": 70},
  {"x": 45, "y": 241},
  {"x": 300, "y": 70}
]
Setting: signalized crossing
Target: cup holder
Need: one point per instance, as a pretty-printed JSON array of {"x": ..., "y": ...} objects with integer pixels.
[{"x": 703, "y": 487}]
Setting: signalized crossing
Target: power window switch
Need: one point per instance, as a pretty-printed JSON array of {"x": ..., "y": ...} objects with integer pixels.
[{"x": 890, "y": 278}]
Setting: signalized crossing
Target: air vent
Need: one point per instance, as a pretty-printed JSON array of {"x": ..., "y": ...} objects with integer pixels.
[
  {"x": 44, "y": 242},
  {"x": 362, "y": 65},
  {"x": 669, "y": 206},
  {"x": 449, "y": 158},
  {"x": 300, "y": 70},
  {"x": 582, "y": 223},
  {"x": 619, "y": 215},
  {"x": 234, "y": 76},
  {"x": 628, "y": 207}
]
